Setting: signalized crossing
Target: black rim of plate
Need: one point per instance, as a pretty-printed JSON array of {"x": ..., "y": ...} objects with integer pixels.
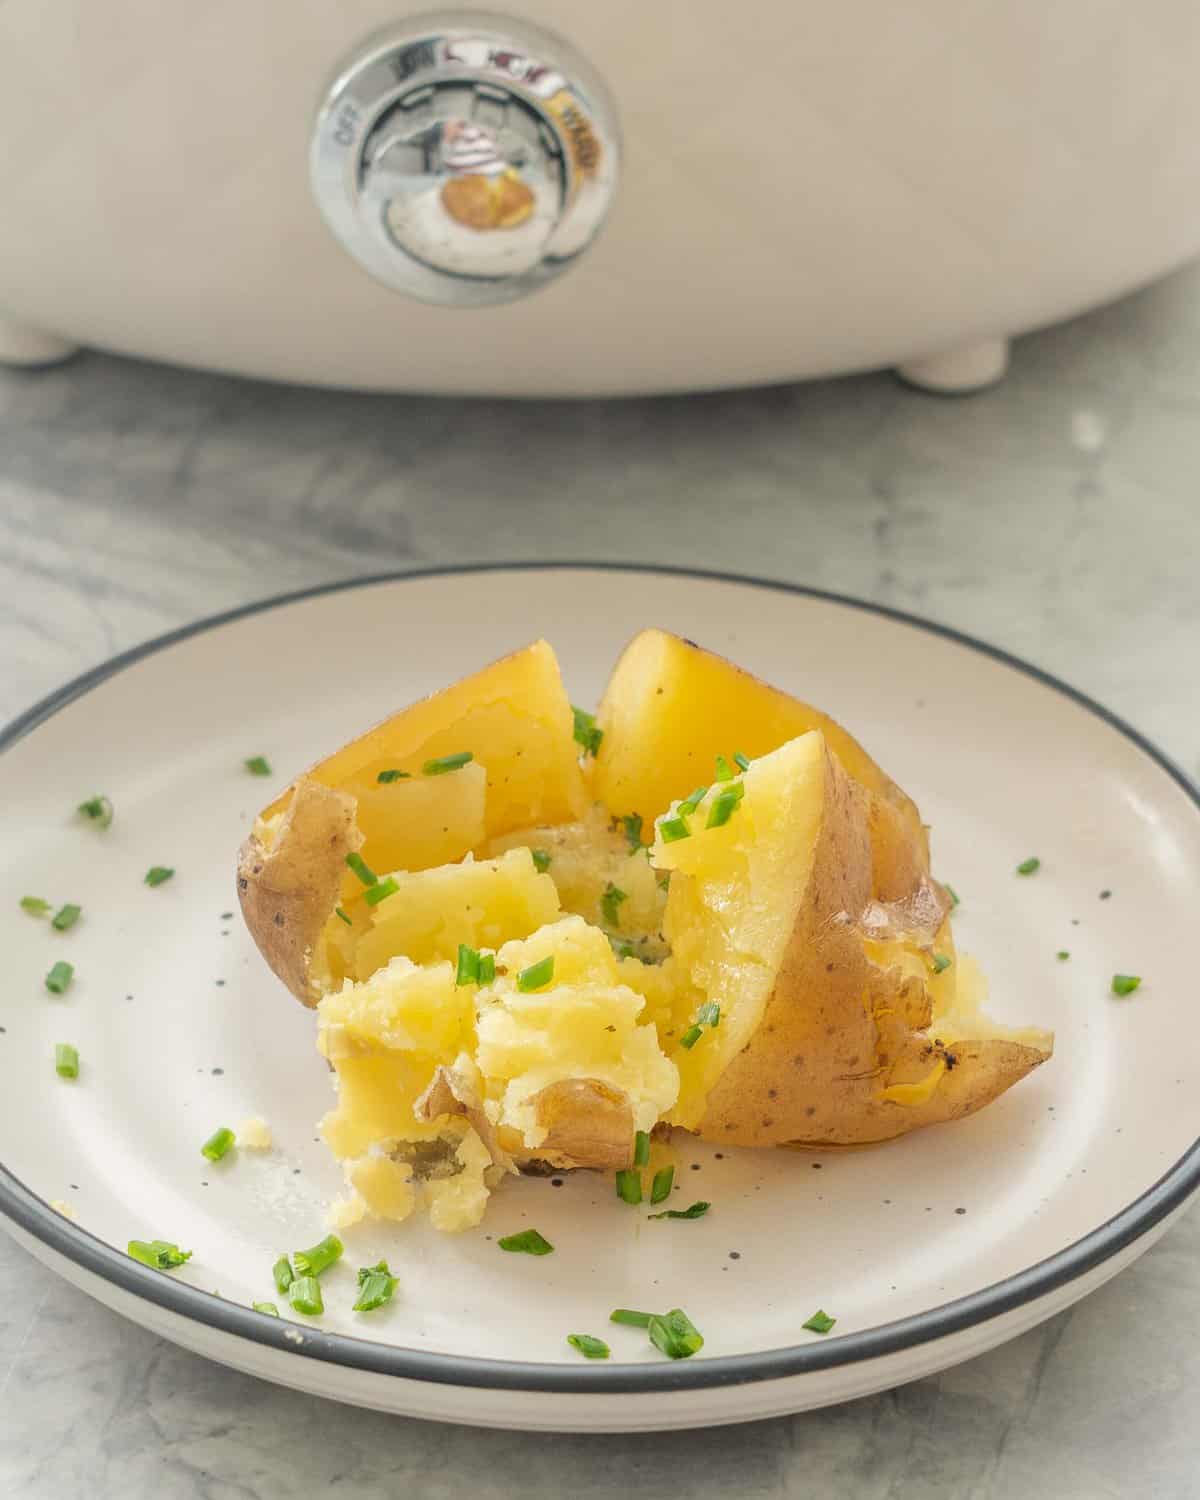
[{"x": 36, "y": 1218}]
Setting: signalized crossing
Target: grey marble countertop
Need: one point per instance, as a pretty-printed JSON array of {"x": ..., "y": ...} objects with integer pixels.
[{"x": 1057, "y": 515}]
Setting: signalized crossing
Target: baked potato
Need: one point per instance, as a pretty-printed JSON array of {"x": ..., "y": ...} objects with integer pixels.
[{"x": 521, "y": 956}]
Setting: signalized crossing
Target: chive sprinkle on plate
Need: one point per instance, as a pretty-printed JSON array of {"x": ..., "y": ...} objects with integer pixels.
[
  {"x": 258, "y": 765},
  {"x": 66, "y": 917},
  {"x": 98, "y": 811},
  {"x": 695, "y": 1211},
  {"x": 58, "y": 981},
  {"x": 162, "y": 1255},
  {"x": 820, "y": 1322},
  {"x": 589, "y": 1347},
  {"x": 34, "y": 906},
  {"x": 157, "y": 874},
  {"x": 66, "y": 1060},
  {"x": 628, "y": 1316},
  {"x": 218, "y": 1144},
  {"x": 527, "y": 1242},
  {"x": 319, "y": 1258},
  {"x": 1029, "y": 866},
  {"x": 1125, "y": 984},
  {"x": 375, "y": 1287}
]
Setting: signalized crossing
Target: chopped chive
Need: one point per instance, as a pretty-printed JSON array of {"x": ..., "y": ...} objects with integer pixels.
[
  {"x": 541, "y": 860},
  {"x": 633, "y": 831},
  {"x": 675, "y": 1334},
  {"x": 1125, "y": 984},
  {"x": 691, "y": 1036},
  {"x": 156, "y": 874},
  {"x": 724, "y": 807},
  {"x": 673, "y": 829},
  {"x": 693, "y": 1211},
  {"x": 709, "y": 1014},
  {"x": 380, "y": 891},
  {"x": 305, "y": 1296},
  {"x": 629, "y": 1317},
  {"x": 527, "y": 1242},
  {"x": 258, "y": 765},
  {"x": 610, "y": 904},
  {"x": 66, "y": 917},
  {"x": 35, "y": 906},
  {"x": 820, "y": 1322},
  {"x": 586, "y": 733},
  {"x": 283, "y": 1273},
  {"x": 940, "y": 962},
  {"x": 537, "y": 975},
  {"x": 468, "y": 966},
  {"x": 362, "y": 869},
  {"x": 589, "y": 1347},
  {"x": 689, "y": 804},
  {"x": 266, "y": 1307},
  {"x": 955, "y": 898},
  {"x": 386, "y": 777},
  {"x": 58, "y": 981},
  {"x": 66, "y": 1060},
  {"x": 444, "y": 763},
  {"x": 660, "y": 1188},
  {"x": 741, "y": 761},
  {"x": 340, "y": 913},
  {"x": 487, "y": 968},
  {"x": 641, "y": 1148},
  {"x": 629, "y": 1186},
  {"x": 97, "y": 810},
  {"x": 319, "y": 1258},
  {"x": 662, "y": 878},
  {"x": 160, "y": 1254},
  {"x": 1062, "y": 955},
  {"x": 375, "y": 1287},
  {"x": 1029, "y": 866},
  {"x": 725, "y": 771},
  {"x": 218, "y": 1144}
]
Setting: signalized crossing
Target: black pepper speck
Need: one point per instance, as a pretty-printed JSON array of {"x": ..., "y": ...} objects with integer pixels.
[
  {"x": 695, "y": 1166},
  {"x": 226, "y": 916},
  {"x": 216, "y": 1072},
  {"x": 735, "y": 1255},
  {"x": 960, "y": 1210},
  {"x": 1105, "y": 895},
  {"x": 556, "y": 1182},
  {"x": 220, "y": 984}
]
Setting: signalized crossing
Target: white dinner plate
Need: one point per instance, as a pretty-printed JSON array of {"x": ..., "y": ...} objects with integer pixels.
[{"x": 926, "y": 1250}]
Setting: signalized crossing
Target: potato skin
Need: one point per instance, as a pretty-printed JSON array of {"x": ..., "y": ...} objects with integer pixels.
[
  {"x": 837, "y": 1030},
  {"x": 288, "y": 891}
]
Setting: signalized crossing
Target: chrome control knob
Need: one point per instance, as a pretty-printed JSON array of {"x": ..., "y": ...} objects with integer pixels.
[{"x": 465, "y": 158}]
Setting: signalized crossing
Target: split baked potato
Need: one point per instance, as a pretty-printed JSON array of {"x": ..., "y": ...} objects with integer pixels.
[{"x": 719, "y": 918}]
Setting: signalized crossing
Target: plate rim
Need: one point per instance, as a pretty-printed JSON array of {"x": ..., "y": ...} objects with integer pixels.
[{"x": 1138, "y": 1218}]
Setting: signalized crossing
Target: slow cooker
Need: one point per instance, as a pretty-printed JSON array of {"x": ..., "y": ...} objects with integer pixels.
[{"x": 568, "y": 199}]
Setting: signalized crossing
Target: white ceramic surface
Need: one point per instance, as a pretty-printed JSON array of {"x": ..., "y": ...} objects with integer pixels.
[
  {"x": 806, "y": 188},
  {"x": 181, "y": 1028}
]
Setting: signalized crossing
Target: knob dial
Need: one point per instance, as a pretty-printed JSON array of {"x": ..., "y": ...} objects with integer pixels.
[{"x": 465, "y": 159}]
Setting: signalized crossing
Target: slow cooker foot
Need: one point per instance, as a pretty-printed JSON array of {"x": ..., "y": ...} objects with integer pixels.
[
  {"x": 958, "y": 372},
  {"x": 28, "y": 347}
]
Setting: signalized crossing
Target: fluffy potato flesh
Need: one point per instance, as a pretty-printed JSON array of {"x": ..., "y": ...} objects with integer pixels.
[
  {"x": 442, "y": 1085},
  {"x": 787, "y": 975}
]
